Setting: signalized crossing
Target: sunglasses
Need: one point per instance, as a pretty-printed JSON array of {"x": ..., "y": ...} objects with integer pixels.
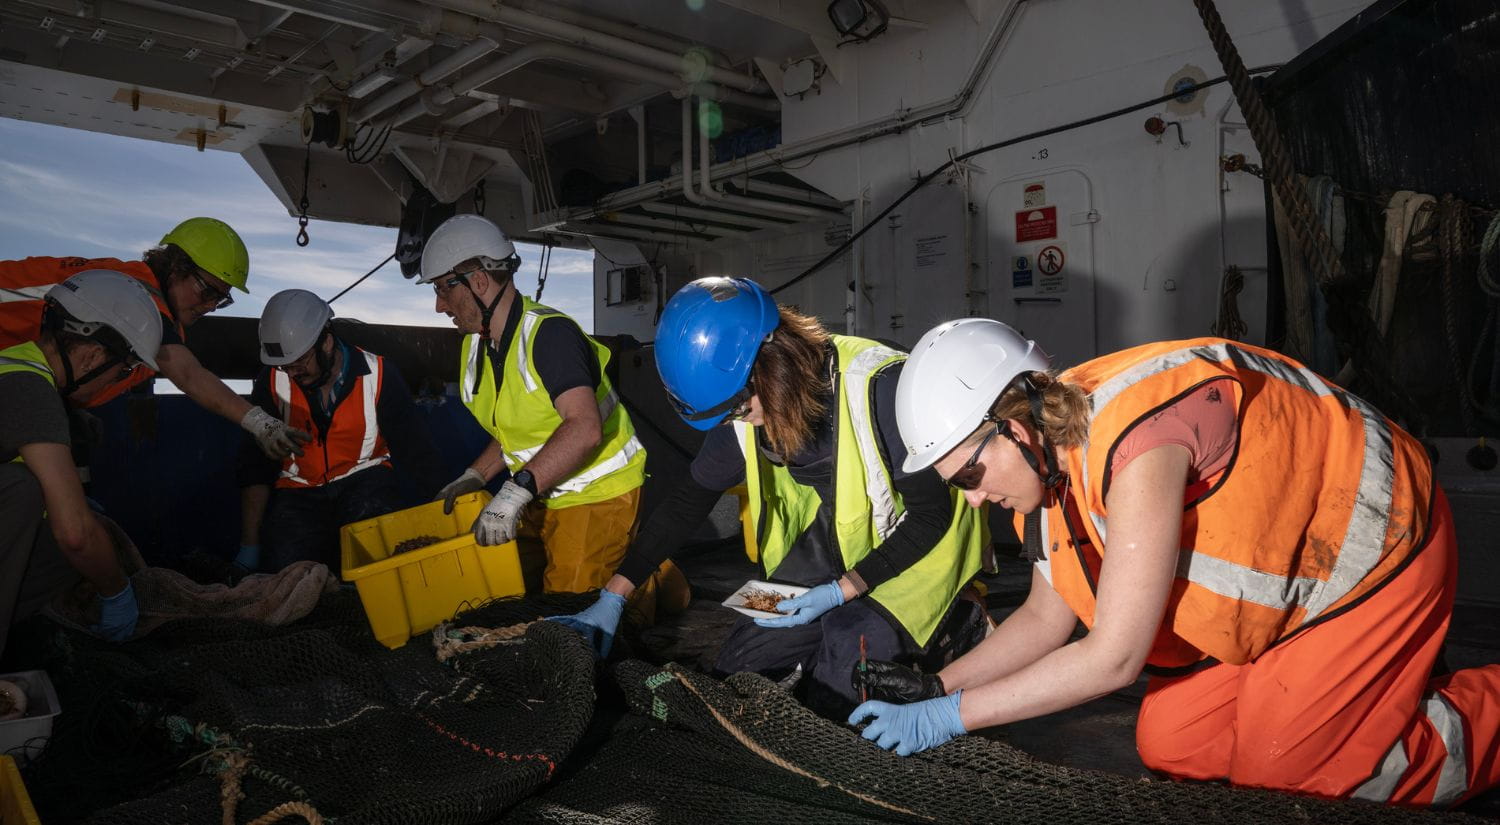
[
  {"x": 735, "y": 408},
  {"x": 208, "y": 293},
  {"x": 967, "y": 477}
]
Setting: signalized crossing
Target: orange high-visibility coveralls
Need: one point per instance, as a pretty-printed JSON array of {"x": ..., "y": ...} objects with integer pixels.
[{"x": 1318, "y": 570}]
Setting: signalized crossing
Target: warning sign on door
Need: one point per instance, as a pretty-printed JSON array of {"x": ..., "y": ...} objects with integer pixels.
[
  {"x": 1036, "y": 224},
  {"x": 1051, "y": 264},
  {"x": 1034, "y": 195}
]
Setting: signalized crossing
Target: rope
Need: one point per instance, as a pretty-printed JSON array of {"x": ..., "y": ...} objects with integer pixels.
[
  {"x": 1489, "y": 332},
  {"x": 450, "y": 641},
  {"x": 362, "y": 278},
  {"x": 1310, "y": 238},
  {"x": 751, "y": 745},
  {"x": 1453, "y": 239},
  {"x": 287, "y": 809},
  {"x": 1229, "y": 324}
]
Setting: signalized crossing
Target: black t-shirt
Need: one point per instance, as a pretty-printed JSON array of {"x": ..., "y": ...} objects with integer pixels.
[
  {"x": 563, "y": 356},
  {"x": 814, "y": 559},
  {"x": 31, "y": 412}
]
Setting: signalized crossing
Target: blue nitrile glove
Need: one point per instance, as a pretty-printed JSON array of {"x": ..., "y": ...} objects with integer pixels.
[
  {"x": 911, "y": 728},
  {"x": 118, "y": 614},
  {"x": 806, "y": 607},
  {"x": 598, "y": 622},
  {"x": 248, "y": 557}
]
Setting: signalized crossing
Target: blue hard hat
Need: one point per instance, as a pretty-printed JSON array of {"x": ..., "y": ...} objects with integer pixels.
[{"x": 706, "y": 344}]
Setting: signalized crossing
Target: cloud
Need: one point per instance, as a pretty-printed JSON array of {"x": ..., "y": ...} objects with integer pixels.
[{"x": 74, "y": 192}]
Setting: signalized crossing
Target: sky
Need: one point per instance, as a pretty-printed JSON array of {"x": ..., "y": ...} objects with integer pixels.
[{"x": 67, "y": 192}]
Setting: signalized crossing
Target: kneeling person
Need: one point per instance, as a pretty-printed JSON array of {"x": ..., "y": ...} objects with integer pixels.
[
  {"x": 97, "y": 327},
  {"x": 360, "y": 414}
]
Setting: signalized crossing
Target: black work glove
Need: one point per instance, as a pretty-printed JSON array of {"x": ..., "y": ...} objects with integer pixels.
[{"x": 890, "y": 682}]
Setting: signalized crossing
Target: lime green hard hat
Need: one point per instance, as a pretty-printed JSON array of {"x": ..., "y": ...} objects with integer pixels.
[{"x": 215, "y": 248}]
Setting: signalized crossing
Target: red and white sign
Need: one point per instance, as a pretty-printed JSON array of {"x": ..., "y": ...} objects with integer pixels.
[
  {"x": 1050, "y": 260},
  {"x": 1036, "y": 224}
]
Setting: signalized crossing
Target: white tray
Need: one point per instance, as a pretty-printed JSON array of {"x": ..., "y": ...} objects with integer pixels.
[
  {"x": 25, "y": 737},
  {"x": 736, "y": 600}
]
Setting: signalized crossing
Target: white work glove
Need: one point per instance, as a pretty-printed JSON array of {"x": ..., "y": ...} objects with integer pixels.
[
  {"x": 497, "y": 524},
  {"x": 275, "y": 438},
  {"x": 470, "y": 482}
]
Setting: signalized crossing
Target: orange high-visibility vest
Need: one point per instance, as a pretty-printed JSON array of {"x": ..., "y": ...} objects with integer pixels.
[
  {"x": 24, "y": 283},
  {"x": 1323, "y": 501},
  {"x": 353, "y": 441}
]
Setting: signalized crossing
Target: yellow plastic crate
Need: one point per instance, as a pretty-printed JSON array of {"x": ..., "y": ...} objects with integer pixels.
[
  {"x": 15, "y": 804},
  {"x": 410, "y": 593}
]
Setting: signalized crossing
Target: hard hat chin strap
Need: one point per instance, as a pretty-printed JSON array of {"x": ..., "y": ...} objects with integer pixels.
[
  {"x": 1052, "y": 477},
  {"x": 487, "y": 311}
]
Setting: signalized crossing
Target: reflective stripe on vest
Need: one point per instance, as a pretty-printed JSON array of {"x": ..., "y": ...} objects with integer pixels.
[
  {"x": 1360, "y": 550},
  {"x": 867, "y": 507},
  {"x": 1322, "y": 501},
  {"x": 24, "y": 293},
  {"x": 1453, "y": 776},
  {"x": 369, "y": 394},
  {"x": 884, "y": 513},
  {"x": 514, "y": 408}
]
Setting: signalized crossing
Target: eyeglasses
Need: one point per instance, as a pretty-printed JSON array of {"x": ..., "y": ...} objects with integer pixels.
[
  {"x": 967, "y": 477},
  {"x": 736, "y": 407},
  {"x": 442, "y": 284},
  {"x": 208, "y": 293}
]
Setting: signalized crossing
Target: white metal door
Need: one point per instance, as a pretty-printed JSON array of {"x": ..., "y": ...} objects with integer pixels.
[{"x": 1040, "y": 231}]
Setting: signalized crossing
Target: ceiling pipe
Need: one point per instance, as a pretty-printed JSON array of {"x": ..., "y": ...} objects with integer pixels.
[
  {"x": 665, "y": 42},
  {"x": 600, "y": 41},
  {"x": 718, "y": 216},
  {"x": 435, "y": 100},
  {"x": 757, "y": 205},
  {"x": 956, "y": 105},
  {"x": 716, "y": 199},
  {"x": 432, "y": 74}
]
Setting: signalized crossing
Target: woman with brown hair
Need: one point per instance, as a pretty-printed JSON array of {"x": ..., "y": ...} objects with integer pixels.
[
  {"x": 806, "y": 421},
  {"x": 1268, "y": 547}
]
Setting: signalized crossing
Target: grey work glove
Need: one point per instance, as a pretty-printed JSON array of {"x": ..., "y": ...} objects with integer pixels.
[
  {"x": 275, "y": 438},
  {"x": 470, "y": 482},
  {"x": 497, "y": 524}
]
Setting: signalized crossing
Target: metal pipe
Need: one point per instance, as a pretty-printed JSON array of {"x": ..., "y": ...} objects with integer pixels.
[
  {"x": 807, "y": 196},
  {"x": 639, "y": 113},
  {"x": 749, "y": 204},
  {"x": 953, "y": 106},
  {"x": 442, "y": 95},
  {"x": 715, "y": 215},
  {"x": 687, "y": 154},
  {"x": 665, "y": 42},
  {"x": 593, "y": 39},
  {"x": 432, "y": 74}
]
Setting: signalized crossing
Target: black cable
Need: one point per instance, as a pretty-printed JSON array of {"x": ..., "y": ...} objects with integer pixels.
[
  {"x": 362, "y": 278},
  {"x": 925, "y": 179}
]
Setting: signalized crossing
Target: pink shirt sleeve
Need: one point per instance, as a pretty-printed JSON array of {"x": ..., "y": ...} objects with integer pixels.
[{"x": 1202, "y": 422}]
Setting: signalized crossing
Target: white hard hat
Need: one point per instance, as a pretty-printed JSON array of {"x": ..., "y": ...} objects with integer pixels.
[
  {"x": 460, "y": 238},
  {"x": 293, "y": 321},
  {"x": 954, "y": 374},
  {"x": 98, "y": 298}
]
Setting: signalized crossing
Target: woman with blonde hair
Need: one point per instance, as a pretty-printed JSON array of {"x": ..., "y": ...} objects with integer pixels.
[
  {"x": 1272, "y": 550},
  {"x": 805, "y": 420}
]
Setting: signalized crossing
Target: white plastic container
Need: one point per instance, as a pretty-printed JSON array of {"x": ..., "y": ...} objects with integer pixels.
[
  {"x": 736, "y": 600},
  {"x": 25, "y": 737}
]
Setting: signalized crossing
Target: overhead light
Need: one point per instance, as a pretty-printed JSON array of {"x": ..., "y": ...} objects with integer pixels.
[
  {"x": 858, "y": 20},
  {"x": 372, "y": 81}
]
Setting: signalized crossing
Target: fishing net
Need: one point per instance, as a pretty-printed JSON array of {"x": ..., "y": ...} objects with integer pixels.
[
  {"x": 210, "y": 721},
  {"x": 495, "y": 720},
  {"x": 742, "y": 750}
]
